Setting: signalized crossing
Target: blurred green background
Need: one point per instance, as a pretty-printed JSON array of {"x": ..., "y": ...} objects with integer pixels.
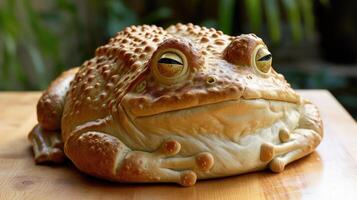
[{"x": 314, "y": 42}]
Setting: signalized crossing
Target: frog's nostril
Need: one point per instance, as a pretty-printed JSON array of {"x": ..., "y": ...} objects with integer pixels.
[{"x": 210, "y": 80}]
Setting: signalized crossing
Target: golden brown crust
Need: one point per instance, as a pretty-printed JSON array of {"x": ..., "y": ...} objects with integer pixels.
[
  {"x": 239, "y": 51},
  {"x": 50, "y": 106},
  {"x": 96, "y": 153},
  {"x": 311, "y": 118},
  {"x": 47, "y": 145},
  {"x": 104, "y": 156},
  {"x": 142, "y": 106},
  {"x": 193, "y": 54},
  {"x": 112, "y": 92},
  {"x": 124, "y": 64},
  {"x": 218, "y": 73},
  {"x": 102, "y": 81}
]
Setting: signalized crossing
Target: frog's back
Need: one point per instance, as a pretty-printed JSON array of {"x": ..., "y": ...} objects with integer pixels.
[{"x": 102, "y": 81}]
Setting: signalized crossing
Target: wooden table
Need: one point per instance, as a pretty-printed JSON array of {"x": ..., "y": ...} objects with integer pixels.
[{"x": 328, "y": 173}]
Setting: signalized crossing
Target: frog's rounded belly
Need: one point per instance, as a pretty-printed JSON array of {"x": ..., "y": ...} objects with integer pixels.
[{"x": 232, "y": 131}]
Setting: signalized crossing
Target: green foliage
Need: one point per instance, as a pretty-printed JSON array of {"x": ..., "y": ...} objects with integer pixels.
[
  {"x": 119, "y": 16},
  {"x": 322, "y": 79},
  {"x": 273, "y": 19},
  {"x": 26, "y": 41},
  {"x": 31, "y": 40},
  {"x": 9, "y": 34},
  {"x": 225, "y": 15},
  {"x": 255, "y": 12},
  {"x": 298, "y": 13}
]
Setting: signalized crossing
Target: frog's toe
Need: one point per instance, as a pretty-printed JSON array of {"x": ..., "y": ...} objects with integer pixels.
[
  {"x": 47, "y": 146},
  {"x": 170, "y": 148},
  {"x": 52, "y": 155},
  {"x": 201, "y": 162},
  {"x": 284, "y": 135},
  {"x": 277, "y": 164},
  {"x": 267, "y": 152},
  {"x": 188, "y": 178},
  {"x": 185, "y": 178},
  {"x": 302, "y": 142},
  {"x": 204, "y": 161}
]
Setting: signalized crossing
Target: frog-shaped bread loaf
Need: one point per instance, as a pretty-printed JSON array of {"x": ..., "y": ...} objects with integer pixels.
[{"x": 175, "y": 105}]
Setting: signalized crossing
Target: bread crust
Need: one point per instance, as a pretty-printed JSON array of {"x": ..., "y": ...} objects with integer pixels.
[
  {"x": 51, "y": 103},
  {"x": 239, "y": 51},
  {"x": 119, "y": 122},
  {"x": 96, "y": 153}
]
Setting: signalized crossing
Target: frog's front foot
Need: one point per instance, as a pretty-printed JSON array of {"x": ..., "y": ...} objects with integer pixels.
[
  {"x": 105, "y": 156},
  {"x": 47, "y": 145},
  {"x": 295, "y": 144},
  {"x": 163, "y": 166}
]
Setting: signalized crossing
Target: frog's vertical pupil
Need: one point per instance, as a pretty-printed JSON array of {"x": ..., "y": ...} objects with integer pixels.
[
  {"x": 265, "y": 58},
  {"x": 170, "y": 64},
  {"x": 169, "y": 61}
]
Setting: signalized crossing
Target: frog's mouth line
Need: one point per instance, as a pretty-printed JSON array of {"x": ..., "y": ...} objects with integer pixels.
[
  {"x": 237, "y": 100},
  {"x": 145, "y": 105}
]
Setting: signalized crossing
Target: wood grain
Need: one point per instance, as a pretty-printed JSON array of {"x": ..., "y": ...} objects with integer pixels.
[{"x": 329, "y": 173}]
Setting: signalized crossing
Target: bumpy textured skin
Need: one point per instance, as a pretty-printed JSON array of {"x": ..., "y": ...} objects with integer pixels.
[
  {"x": 50, "y": 106},
  {"x": 119, "y": 122}
]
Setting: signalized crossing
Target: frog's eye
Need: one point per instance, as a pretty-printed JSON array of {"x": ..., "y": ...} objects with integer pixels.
[
  {"x": 170, "y": 66},
  {"x": 262, "y": 59}
]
